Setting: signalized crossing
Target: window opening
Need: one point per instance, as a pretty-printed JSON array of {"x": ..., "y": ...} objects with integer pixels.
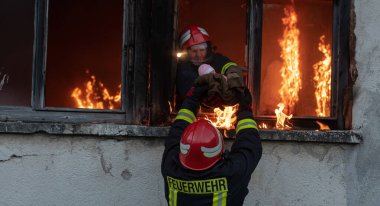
[
  {"x": 16, "y": 52},
  {"x": 294, "y": 71},
  {"x": 296, "y": 60},
  {"x": 84, "y": 54},
  {"x": 225, "y": 22}
]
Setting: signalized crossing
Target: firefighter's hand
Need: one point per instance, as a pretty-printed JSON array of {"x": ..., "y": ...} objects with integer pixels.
[
  {"x": 197, "y": 92},
  {"x": 245, "y": 100}
]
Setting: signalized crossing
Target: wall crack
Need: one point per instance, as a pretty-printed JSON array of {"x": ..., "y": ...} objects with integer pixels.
[{"x": 14, "y": 156}]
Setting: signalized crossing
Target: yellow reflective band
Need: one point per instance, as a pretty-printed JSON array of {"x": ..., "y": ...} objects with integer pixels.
[
  {"x": 173, "y": 197},
  {"x": 209, "y": 186},
  {"x": 219, "y": 199},
  {"x": 244, "y": 121},
  {"x": 245, "y": 124},
  {"x": 186, "y": 115},
  {"x": 226, "y": 66}
]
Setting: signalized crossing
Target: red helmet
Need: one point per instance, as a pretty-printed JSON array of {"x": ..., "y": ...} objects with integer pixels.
[
  {"x": 201, "y": 146},
  {"x": 193, "y": 35}
]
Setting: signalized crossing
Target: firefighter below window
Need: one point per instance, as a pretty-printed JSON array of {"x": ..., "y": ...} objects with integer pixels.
[{"x": 195, "y": 167}]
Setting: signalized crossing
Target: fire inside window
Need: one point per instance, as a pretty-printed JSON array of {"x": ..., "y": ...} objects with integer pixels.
[
  {"x": 290, "y": 54},
  {"x": 296, "y": 62},
  {"x": 56, "y": 57},
  {"x": 84, "y": 54}
]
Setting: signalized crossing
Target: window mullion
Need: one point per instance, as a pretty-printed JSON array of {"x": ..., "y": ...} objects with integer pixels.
[
  {"x": 38, "y": 77},
  {"x": 254, "y": 61}
]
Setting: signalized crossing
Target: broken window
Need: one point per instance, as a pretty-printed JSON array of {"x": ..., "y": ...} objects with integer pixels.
[{"x": 16, "y": 52}]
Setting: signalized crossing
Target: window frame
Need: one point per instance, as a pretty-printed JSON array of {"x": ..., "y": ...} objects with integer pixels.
[
  {"x": 340, "y": 62},
  {"x": 132, "y": 99},
  {"x": 146, "y": 83}
]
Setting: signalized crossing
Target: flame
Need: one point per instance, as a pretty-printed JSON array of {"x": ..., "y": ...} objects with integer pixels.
[
  {"x": 322, "y": 79},
  {"x": 290, "y": 72},
  {"x": 96, "y": 95},
  {"x": 323, "y": 126},
  {"x": 263, "y": 126},
  {"x": 224, "y": 119},
  {"x": 282, "y": 117}
]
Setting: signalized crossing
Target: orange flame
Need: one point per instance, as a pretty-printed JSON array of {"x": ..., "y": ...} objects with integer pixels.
[
  {"x": 96, "y": 95},
  {"x": 290, "y": 72},
  {"x": 282, "y": 117},
  {"x": 263, "y": 126},
  {"x": 323, "y": 126},
  {"x": 322, "y": 78},
  {"x": 224, "y": 119}
]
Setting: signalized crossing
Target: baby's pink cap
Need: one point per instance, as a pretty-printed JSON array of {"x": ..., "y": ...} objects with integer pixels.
[{"x": 205, "y": 69}]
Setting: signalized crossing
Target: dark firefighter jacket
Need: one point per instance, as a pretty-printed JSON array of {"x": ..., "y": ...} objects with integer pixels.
[
  {"x": 187, "y": 73},
  {"x": 223, "y": 184}
]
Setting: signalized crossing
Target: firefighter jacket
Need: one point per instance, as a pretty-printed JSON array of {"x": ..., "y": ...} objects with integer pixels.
[
  {"x": 223, "y": 184},
  {"x": 187, "y": 73}
]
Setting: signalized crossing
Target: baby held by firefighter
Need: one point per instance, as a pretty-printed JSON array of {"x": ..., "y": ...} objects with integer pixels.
[{"x": 224, "y": 90}]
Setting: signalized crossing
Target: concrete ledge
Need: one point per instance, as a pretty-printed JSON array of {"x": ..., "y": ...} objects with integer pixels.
[
  {"x": 331, "y": 136},
  {"x": 119, "y": 131}
]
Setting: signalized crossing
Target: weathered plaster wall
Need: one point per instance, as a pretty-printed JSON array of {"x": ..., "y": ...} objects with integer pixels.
[
  {"x": 51, "y": 170},
  {"x": 60, "y": 170},
  {"x": 363, "y": 173},
  {"x": 299, "y": 174}
]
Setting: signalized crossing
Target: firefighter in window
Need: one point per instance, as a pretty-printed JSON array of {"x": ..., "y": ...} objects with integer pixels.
[
  {"x": 224, "y": 77},
  {"x": 195, "y": 167}
]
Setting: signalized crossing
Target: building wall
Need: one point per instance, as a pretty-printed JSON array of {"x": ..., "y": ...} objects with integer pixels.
[
  {"x": 363, "y": 172},
  {"x": 45, "y": 169},
  {"x": 60, "y": 170}
]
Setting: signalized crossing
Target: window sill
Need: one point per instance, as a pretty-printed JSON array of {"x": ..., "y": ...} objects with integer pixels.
[{"x": 120, "y": 130}]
